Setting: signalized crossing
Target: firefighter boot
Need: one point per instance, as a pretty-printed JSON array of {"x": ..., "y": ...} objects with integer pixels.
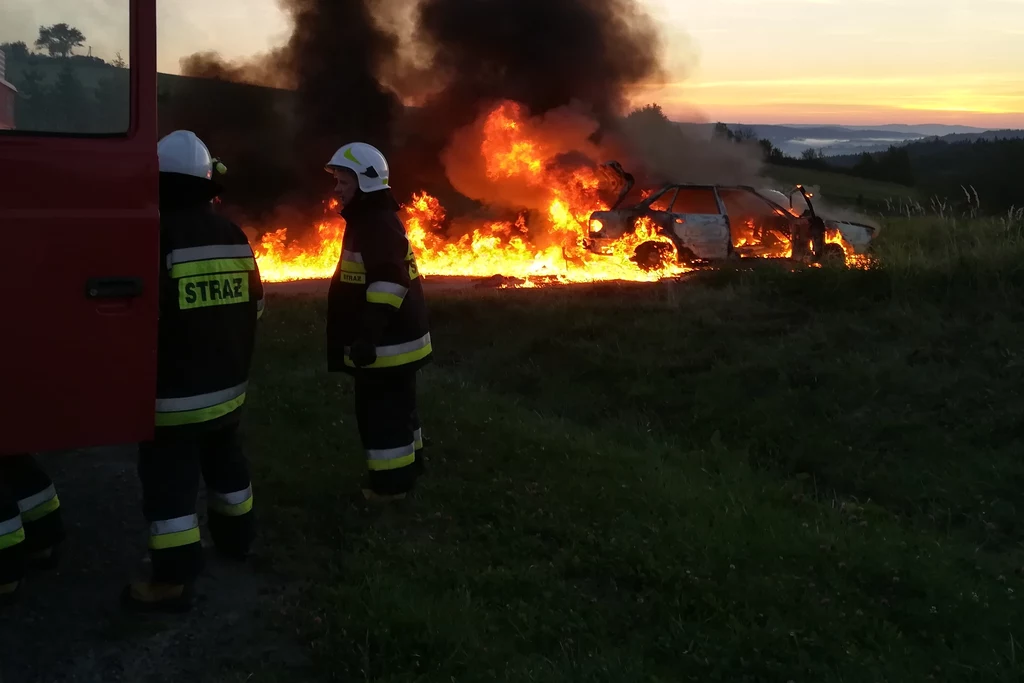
[{"x": 152, "y": 597}]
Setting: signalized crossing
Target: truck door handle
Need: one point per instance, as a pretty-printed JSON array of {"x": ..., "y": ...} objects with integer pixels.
[{"x": 113, "y": 287}]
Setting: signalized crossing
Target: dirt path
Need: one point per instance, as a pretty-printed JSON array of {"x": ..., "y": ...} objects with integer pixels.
[{"x": 68, "y": 625}]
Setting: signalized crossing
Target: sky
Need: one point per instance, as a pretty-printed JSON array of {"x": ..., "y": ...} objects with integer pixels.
[{"x": 858, "y": 62}]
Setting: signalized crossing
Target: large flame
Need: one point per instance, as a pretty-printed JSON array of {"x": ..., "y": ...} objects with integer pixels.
[{"x": 550, "y": 249}]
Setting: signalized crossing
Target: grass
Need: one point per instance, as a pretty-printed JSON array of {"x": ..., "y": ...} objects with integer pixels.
[
  {"x": 748, "y": 476},
  {"x": 840, "y": 188}
]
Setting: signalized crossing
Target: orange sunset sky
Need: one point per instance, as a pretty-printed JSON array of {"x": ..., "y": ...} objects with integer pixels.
[{"x": 750, "y": 61}]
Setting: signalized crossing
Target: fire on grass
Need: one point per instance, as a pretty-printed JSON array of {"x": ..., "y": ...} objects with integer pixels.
[{"x": 549, "y": 248}]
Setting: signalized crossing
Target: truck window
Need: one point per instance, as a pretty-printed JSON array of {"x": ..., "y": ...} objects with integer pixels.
[
  {"x": 696, "y": 200},
  {"x": 64, "y": 68}
]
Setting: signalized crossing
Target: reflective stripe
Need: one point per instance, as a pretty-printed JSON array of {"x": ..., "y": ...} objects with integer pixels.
[
  {"x": 173, "y": 405},
  {"x": 233, "y": 504},
  {"x": 11, "y": 532},
  {"x": 386, "y": 293},
  {"x": 172, "y": 533},
  {"x": 398, "y": 354},
  {"x": 39, "y": 505},
  {"x": 213, "y": 267},
  {"x": 417, "y": 437},
  {"x": 201, "y": 408},
  {"x": 12, "y": 539},
  {"x": 352, "y": 262},
  {"x": 215, "y": 251},
  {"x": 390, "y": 458},
  {"x": 260, "y": 305}
]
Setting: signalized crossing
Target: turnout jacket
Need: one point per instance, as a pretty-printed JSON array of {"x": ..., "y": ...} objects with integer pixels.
[
  {"x": 210, "y": 298},
  {"x": 376, "y": 294}
]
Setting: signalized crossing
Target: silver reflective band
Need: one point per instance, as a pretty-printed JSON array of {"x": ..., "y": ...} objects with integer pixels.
[
  {"x": 259, "y": 305},
  {"x": 207, "y": 253},
  {"x": 9, "y": 526},
  {"x": 388, "y": 288},
  {"x": 399, "y": 349},
  {"x": 26, "y": 504},
  {"x": 391, "y": 453},
  {"x": 234, "y": 498},
  {"x": 177, "y": 405},
  {"x": 173, "y": 526},
  {"x": 417, "y": 436},
  {"x": 354, "y": 256}
]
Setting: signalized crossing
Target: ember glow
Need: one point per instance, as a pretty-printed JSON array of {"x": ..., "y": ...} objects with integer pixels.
[{"x": 538, "y": 247}]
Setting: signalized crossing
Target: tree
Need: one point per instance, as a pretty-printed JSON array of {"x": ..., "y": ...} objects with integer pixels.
[
  {"x": 119, "y": 61},
  {"x": 15, "y": 52},
  {"x": 722, "y": 132},
  {"x": 772, "y": 154},
  {"x": 60, "y": 39},
  {"x": 72, "y": 110},
  {"x": 745, "y": 134}
]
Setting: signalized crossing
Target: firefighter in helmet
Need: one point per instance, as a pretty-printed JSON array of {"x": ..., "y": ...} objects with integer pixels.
[
  {"x": 30, "y": 523},
  {"x": 210, "y": 299},
  {"x": 377, "y": 321}
]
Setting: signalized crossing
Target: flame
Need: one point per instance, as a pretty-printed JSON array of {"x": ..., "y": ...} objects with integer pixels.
[
  {"x": 549, "y": 248},
  {"x": 853, "y": 259}
]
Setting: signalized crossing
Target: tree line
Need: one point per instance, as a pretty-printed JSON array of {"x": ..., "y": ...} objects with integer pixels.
[
  {"x": 58, "y": 92},
  {"x": 934, "y": 167}
]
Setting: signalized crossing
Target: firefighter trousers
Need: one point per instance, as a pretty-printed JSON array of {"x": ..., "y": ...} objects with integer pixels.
[
  {"x": 389, "y": 429},
  {"x": 29, "y": 514},
  {"x": 169, "y": 471}
]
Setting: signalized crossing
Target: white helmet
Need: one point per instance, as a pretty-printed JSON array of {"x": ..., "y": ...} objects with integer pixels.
[
  {"x": 182, "y": 152},
  {"x": 366, "y": 161}
]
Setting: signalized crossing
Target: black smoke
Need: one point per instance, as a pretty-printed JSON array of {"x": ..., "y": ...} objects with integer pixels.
[{"x": 349, "y": 64}]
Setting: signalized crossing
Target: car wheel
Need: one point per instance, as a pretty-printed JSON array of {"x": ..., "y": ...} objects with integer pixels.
[
  {"x": 833, "y": 255},
  {"x": 654, "y": 255}
]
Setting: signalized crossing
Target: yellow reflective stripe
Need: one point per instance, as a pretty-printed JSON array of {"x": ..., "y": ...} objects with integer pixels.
[
  {"x": 398, "y": 354},
  {"x": 200, "y": 414},
  {"x": 384, "y": 298},
  {"x": 12, "y": 539},
  {"x": 174, "y": 540},
  {"x": 352, "y": 267},
  {"x": 213, "y": 266},
  {"x": 232, "y": 510},
  {"x": 418, "y": 439},
  {"x": 384, "y": 292},
  {"x": 172, "y": 533},
  {"x": 392, "y": 464},
  {"x": 231, "y": 504},
  {"x": 40, "y": 511}
]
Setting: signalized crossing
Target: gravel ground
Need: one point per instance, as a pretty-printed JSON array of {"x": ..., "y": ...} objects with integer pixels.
[{"x": 68, "y": 625}]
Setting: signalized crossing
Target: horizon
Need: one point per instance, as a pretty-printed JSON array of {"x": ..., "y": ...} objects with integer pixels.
[{"x": 753, "y": 62}]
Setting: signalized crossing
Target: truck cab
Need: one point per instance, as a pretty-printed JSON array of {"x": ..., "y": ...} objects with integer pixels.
[{"x": 79, "y": 224}]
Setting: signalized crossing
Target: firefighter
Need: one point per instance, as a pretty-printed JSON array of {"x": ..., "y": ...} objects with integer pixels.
[
  {"x": 30, "y": 523},
  {"x": 210, "y": 299},
  {"x": 377, "y": 322}
]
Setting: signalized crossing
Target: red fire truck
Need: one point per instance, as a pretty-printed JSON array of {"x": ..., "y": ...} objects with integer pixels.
[{"x": 79, "y": 244}]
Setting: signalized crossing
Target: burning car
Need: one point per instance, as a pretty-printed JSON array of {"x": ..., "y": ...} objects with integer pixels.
[{"x": 708, "y": 223}]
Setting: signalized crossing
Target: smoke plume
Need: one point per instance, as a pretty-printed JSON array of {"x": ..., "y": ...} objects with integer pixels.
[{"x": 349, "y": 65}]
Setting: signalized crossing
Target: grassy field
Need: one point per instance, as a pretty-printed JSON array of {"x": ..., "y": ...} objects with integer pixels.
[
  {"x": 747, "y": 476},
  {"x": 840, "y": 188}
]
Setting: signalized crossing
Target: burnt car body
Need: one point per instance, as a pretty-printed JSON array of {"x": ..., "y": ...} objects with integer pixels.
[{"x": 708, "y": 223}]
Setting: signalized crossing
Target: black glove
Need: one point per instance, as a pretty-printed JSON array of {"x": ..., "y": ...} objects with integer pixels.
[{"x": 362, "y": 353}]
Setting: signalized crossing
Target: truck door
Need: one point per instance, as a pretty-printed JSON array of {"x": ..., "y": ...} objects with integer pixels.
[{"x": 79, "y": 233}]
